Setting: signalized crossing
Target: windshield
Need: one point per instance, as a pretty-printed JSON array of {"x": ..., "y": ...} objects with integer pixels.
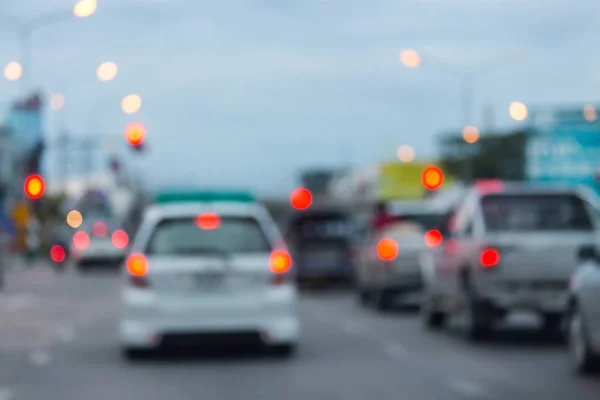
[
  {"x": 333, "y": 227},
  {"x": 535, "y": 213},
  {"x": 426, "y": 221},
  {"x": 182, "y": 236}
]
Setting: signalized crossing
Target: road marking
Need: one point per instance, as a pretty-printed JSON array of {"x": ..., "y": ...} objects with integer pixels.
[
  {"x": 394, "y": 350},
  {"x": 66, "y": 334},
  {"x": 6, "y": 394},
  {"x": 467, "y": 388},
  {"x": 39, "y": 358}
]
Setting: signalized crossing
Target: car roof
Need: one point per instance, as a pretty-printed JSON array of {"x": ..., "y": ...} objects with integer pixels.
[
  {"x": 520, "y": 188},
  {"x": 225, "y": 208},
  {"x": 399, "y": 208}
]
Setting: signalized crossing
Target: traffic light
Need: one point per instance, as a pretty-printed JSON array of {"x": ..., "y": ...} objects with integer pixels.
[
  {"x": 135, "y": 134},
  {"x": 34, "y": 186},
  {"x": 432, "y": 178},
  {"x": 301, "y": 199}
]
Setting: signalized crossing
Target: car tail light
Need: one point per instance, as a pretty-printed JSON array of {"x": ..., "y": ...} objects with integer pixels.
[
  {"x": 433, "y": 238},
  {"x": 58, "y": 253},
  {"x": 280, "y": 263},
  {"x": 100, "y": 229},
  {"x": 120, "y": 239},
  {"x": 489, "y": 258},
  {"x": 387, "y": 249},
  {"x": 137, "y": 268},
  {"x": 81, "y": 240}
]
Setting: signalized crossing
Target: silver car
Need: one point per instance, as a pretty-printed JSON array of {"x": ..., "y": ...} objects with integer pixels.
[
  {"x": 510, "y": 249},
  {"x": 584, "y": 313},
  {"x": 385, "y": 275}
]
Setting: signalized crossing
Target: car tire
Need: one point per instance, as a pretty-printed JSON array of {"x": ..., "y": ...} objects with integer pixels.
[
  {"x": 582, "y": 357},
  {"x": 363, "y": 296},
  {"x": 383, "y": 300},
  {"x": 133, "y": 353},
  {"x": 479, "y": 324},
  {"x": 284, "y": 350},
  {"x": 552, "y": 323},
  {"x": 432, "y": 319}
]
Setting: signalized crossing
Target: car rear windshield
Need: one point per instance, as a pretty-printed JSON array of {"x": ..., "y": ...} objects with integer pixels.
[
  {"x": 539, "y": 212},
  {"x": 321, "y": 227},
  {"x": 182, "y": 236},
  {"x": 427, "y": 221}
]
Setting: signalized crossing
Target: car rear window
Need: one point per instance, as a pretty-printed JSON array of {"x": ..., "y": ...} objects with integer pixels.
[
  {"x": 543, "y": 212},
  {"x": 427, "y": 221},
  {"x": 182, "y": 236},
  {"x": 322, "y": 227}
]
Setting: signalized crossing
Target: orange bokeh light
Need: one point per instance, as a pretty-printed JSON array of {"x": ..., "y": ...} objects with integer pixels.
[{"x": 301, "y": 198}]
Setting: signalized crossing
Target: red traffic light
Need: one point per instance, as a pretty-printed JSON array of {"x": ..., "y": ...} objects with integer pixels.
[
  {"x": 301, "y": 199},
  {"x": 34, "y": 186},
  {"x": 432, "y": 178},
  {"x": 135, "y": 134}
]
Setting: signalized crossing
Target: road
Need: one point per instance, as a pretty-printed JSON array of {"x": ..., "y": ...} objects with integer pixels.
[{"x": 58, "y": 341}]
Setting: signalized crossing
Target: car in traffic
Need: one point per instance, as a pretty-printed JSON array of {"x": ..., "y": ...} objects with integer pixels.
[
  {"x": 98, "y": 243},
  {"x": 321, "y": 243},
  {"x": 208, "y": 268},
  {"x": 583, "y": 326},
  {"x": 387, "y": 268},
  {"x": 509, "y": 249}
]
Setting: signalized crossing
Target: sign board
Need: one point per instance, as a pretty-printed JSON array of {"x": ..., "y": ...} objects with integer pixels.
[
  {"x": 564, "y": 147},
  {"x": 402, "y": 181},
  {"x": 25, "y": 123}
]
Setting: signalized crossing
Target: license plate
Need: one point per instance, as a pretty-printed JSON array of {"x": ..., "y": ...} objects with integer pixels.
[{"x": 208, "y": 281}]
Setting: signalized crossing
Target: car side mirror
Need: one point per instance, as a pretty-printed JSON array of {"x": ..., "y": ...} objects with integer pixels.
[{"x": 588, "y": 253}]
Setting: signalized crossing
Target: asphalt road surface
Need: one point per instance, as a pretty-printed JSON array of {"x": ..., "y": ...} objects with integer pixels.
[{"x": 58, "y": 341}]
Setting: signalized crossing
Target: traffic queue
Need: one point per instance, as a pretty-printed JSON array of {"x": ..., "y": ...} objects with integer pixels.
[
  {"x": 214, "y": 266},
  {"x": 504, "y": 249}
]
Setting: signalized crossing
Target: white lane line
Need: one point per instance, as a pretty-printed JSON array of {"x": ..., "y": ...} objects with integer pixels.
[
  {"x": 467, "y": 388},
  {"x": 39, "y": 358},
  {"x": 394, "y": 350},
  {"x": 6, "y": 394},
  {"x": 66, "y": 334}
]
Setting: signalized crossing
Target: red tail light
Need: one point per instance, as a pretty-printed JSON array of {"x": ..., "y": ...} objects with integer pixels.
[
  {"x": 99, "y": 229},
  {"x": 280, "y": 263},
  {"x": 120, "y": 239},
  {"x": 387, "y": 249},
  {"x": 137, "y": 267},
  {"x": 433, "y": 238},
  {"x": 489, "y": 258},
  {"x": 81, "y": 240},
  {"x": 57, "y": 254}
]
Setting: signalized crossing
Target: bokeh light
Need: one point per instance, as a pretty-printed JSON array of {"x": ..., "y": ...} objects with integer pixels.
[
  {"x": 208, "y": 221},
  {"x": 57, "y": 254},
  {"x": 301, "y": 198},
  {"x": 13, "y": 71},
  {"x": 589, "y": 113},
  {"x": 410, "y": 58},
  {"x": 387, "y": 249},
  {"x": 34, "y": 186},
  {"x": 81, "y": 240},
  {"x": 470, "y": 134},
  {"x": 131, "y": 103},
  {"x": 85, "y": 8},
  {"x": 135, "y": 133},
  {"x": 518, "y": 111},
  {"x": 74, "y": 219},
  {"x": 406, "y": 154},
  {"x": 107, "y": 71},
  {"x": 57, "y": 101},
  {"x": 432, "y": 178}
]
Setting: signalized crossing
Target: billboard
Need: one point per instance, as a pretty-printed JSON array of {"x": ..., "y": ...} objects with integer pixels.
[
  {"x": 564, "y": 147},
  {"x": 25, "y": 123},
  {"x": 402, "y": 181}
]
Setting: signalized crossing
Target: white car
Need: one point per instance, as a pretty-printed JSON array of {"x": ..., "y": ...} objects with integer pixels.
[
  {"x": 584, "y": 312},
  {"x": 98, "y": 243},
  {"x": 205, "y": 272}
]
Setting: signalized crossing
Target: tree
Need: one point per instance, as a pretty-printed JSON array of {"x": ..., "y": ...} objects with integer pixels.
[{"x": 494, "y": 156}]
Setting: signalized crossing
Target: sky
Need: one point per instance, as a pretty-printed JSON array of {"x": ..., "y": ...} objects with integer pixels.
[{"x": 246, "y": 93}]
